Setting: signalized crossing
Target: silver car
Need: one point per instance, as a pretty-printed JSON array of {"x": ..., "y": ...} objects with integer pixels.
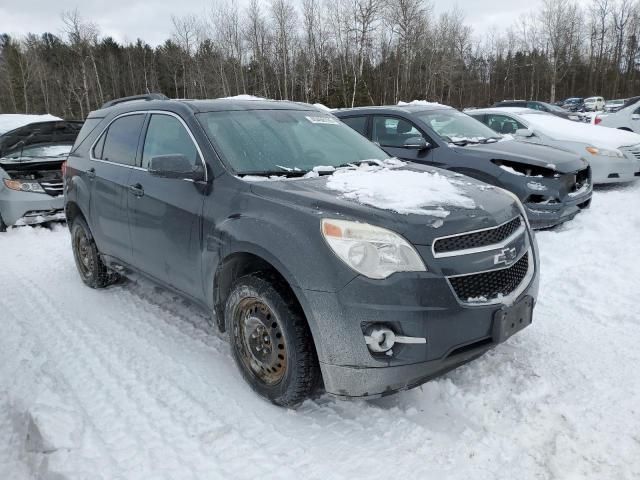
[{"x": 31, "y": 185}]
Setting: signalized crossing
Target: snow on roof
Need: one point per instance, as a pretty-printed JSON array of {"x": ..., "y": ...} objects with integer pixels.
[
  {"x": 11, "y": 121},
  {"x": 423, "y": 103},
  {"x": 320, "y": 106},
  {"x": 402, "y": 191},
  {"x": 514, "y": 110},
  {"x": 561, "y": 129},
  {"x": 243, "y": 97}
]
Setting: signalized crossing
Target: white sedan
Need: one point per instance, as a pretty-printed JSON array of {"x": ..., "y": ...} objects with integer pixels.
[{"x": 614, "y": 155}]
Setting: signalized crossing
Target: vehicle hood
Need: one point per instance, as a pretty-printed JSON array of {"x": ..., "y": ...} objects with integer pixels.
[
  {"x": 528, "y": 154},
  {"x": 61, "y": 132},
  {"x": 491, "y": 206},
  {"x": 595, "y": 135}
]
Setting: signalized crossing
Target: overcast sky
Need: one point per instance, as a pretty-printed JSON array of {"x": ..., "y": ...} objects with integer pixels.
[{"x": 151, "y": 19}]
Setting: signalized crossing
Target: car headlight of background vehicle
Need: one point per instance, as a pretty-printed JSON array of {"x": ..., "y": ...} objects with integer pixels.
[
  {"x": 374, "y": 252},
  {"x": 605, "y": 152},
  {"x": 23, "y": 185}
]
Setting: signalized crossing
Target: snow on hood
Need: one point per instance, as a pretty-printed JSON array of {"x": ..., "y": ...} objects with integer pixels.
[
  {"x": 561, "y": 129},
  {"x": 401, "y": 191},
  {"x": 11, "y": 121}
]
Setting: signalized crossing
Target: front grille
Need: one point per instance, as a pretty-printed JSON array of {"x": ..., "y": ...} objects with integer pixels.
[
  {"x": 482, "y": 238},
  {"x": 53, "y": 187},
  {"x": 487, "y": 286},
  {"x": 582, "y": 178},
  {"x": 634, "y": 151}
]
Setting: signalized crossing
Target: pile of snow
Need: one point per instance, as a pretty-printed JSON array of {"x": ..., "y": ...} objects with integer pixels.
[
  {"x": 402, "y": 191},
  {"x": 561, "y": 129},
  {"x": 11, "y": 121}
]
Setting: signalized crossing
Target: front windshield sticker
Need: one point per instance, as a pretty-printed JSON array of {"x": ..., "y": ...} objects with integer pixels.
[{"x": 324, "y": 119}]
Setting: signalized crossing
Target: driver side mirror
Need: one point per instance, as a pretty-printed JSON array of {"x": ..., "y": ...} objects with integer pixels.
[
  {"x": 524, "y": 132},
  {"x": 175, "y": 165},
  {"x": 416, "y": 143}
]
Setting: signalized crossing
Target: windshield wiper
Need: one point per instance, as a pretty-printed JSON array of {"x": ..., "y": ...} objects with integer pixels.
[{"x": 274, "y": 173}]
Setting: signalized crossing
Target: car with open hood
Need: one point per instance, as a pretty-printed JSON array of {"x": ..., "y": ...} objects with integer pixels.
[
  {"x": 614, "y": 155},
  {"x": 552, "y": 184},
  {"x": 31, "y": 158},
  {"x": 327, "y": 262}
]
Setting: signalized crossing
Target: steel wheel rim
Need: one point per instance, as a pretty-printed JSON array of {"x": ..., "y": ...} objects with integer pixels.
[
  {"x": 82, "y": 252},
  {"x": 260, "y": 343}
]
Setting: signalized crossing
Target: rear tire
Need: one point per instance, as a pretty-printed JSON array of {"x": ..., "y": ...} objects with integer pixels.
[
  {"x": 3, "y": 226},
  {"x": 93, "y": 272},
  {"x": 271, "y": 341}
]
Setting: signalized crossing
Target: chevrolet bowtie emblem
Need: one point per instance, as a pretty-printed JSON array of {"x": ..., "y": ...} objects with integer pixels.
[{"x": 506, "y": 256}]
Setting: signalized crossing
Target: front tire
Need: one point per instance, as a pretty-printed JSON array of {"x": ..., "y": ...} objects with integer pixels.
[
  {"x": 271, "y": 341},
  {"x": 3, "y": 226},
  {"x": 92, "y": 270}
]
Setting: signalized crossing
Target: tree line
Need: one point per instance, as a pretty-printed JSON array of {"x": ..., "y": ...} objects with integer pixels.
[{"x": 337, "y": 52}]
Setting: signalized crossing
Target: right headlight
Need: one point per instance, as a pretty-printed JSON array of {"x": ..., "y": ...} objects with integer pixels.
[
  {"x": 605, "y": 152},
  {"x": 372, "y": 251},
  {"x": 23, "y": 186}
]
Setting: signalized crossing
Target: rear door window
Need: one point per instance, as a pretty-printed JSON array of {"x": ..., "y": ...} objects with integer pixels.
[
  {"x": 120, "y": 143},
  {"x": 166, "y": 135}
]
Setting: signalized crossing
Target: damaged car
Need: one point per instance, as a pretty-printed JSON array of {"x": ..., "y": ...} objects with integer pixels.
[
  {"x": 328, "y": 263},
  {"x": 31, "y": 184},
  {"x": 552, "y": 184}
]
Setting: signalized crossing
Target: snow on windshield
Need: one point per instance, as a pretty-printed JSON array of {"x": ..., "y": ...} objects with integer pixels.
[
  {"x": 561, "y": 129},
  {"x": 11, "y": 121},
  {"x": 402, "y": 191}
]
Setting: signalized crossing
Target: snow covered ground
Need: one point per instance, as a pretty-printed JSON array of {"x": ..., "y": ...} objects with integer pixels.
[{"x": 127, "y": 383}]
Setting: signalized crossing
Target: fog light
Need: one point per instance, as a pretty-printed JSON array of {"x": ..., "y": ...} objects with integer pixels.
[{"x": 381, "y": 339}]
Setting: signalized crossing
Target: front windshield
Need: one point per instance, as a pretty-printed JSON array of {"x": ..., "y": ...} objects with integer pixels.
[
  {"x": 40, "y": 151},
  {"x": 268, "y": 141},
  {"x": 453, "y": 126}
]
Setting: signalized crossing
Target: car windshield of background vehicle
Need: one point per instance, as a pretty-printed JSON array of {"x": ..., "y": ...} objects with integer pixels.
[
  {"x": 455, "y": 127},
  {"x": 286, "y": 141}
]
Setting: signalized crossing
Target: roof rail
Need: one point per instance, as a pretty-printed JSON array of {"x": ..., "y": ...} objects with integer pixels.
[{"x": 147, "y": 96}]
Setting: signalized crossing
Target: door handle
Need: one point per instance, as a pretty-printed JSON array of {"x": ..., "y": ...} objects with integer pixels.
[
  {"x": 136, "y": 189},
  {"x": 91, "y": 173}
]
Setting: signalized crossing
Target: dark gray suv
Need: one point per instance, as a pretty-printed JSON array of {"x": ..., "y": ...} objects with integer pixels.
[
  {"x": 554, "y": 185},
  {"x": 284, "y": 224}
]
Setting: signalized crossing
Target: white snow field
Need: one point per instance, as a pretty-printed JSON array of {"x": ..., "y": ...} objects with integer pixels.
[{"x": 129, "y": 382}]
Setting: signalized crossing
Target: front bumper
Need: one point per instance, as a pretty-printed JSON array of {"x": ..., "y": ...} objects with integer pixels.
[
  {"x": 613, "y": 170},
  {"x": 550, "y": 215},
  {"x": 420, "y": 304},
  {"x": 25, "y": 208}
]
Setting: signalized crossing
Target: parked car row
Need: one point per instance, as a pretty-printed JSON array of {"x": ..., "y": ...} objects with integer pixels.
[{"x": 305, "y": 232}]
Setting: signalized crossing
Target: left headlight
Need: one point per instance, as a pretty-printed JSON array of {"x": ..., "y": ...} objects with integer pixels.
[
  {"x": 372, "y": 251},
  {"x": 23, "y": 186},
  {"x": 605, "y": 152}
]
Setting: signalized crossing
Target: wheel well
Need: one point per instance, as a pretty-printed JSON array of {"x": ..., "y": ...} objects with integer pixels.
[
  {"x": 626, "y": 129},
  {"x": 71, "y": 211},
  {"x": 238, "y": 265}
]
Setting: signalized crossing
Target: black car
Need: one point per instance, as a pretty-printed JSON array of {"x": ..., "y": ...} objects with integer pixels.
[
  {"x": 574, "y": 104},
  {"x": 276, "y": 218},
  {"x": 541, "y": 106},
  {"x": 553, "y": 185}
]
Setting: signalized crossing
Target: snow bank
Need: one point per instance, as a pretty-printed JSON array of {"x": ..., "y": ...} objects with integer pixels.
[
  {"x": 402, "y": 191},
  {"x": 561, "y": 129},
  {"x": 11, "y": 121}
]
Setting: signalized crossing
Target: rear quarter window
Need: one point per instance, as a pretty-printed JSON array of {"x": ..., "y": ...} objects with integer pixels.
[{"x": 88, "y": 127}]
